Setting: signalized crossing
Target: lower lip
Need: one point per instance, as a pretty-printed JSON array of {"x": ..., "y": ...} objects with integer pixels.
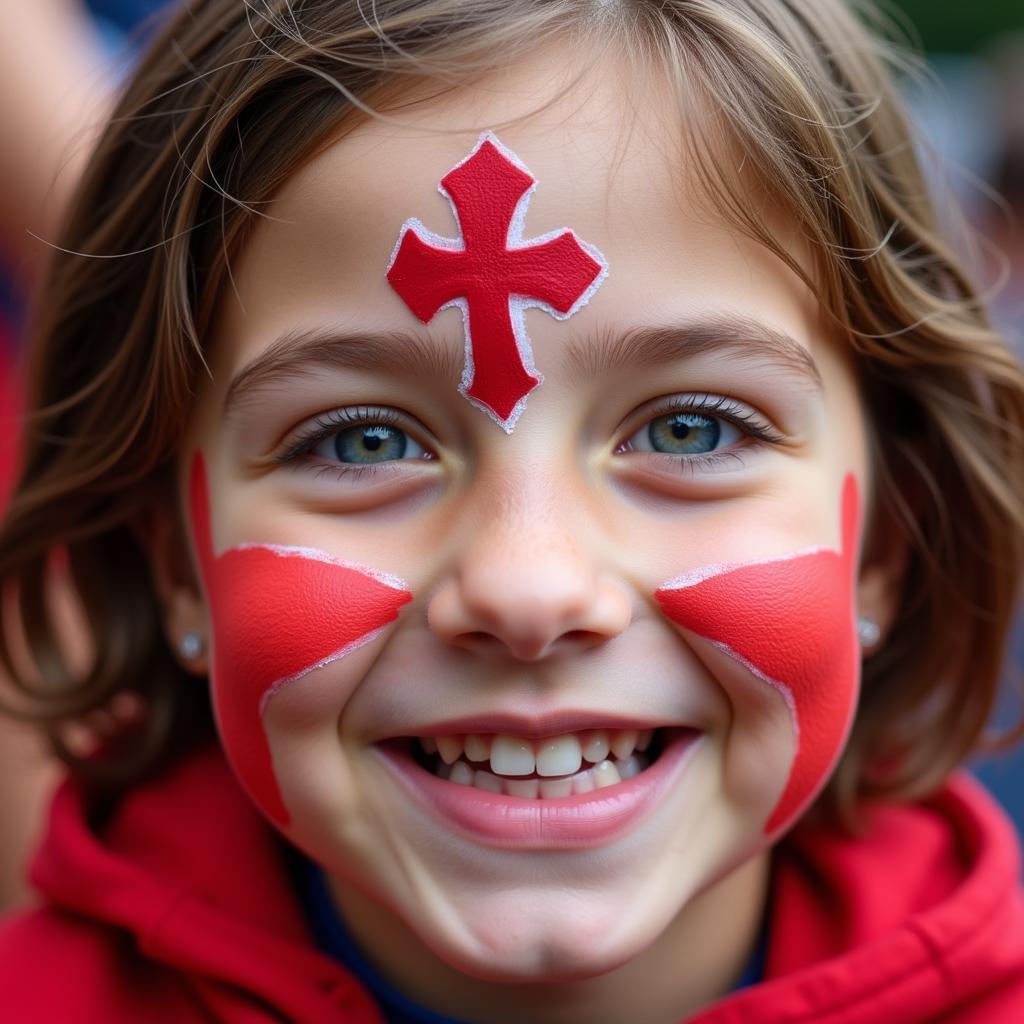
[{"x": 571, "y": 822}]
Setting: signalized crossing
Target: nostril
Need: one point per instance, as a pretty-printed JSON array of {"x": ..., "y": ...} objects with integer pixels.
[
  {"x": 583, "y": 637},
  {"x": 522, "y": 647},
  {"x": 479, "y": 641}
]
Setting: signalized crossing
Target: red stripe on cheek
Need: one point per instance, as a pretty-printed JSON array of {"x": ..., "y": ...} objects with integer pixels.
[
  {"x": 793, "y": 621},
  {"x": 276, "y": 614}
]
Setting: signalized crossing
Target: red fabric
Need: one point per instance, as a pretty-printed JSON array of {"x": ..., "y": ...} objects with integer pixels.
[{"x": 180, "y": 910}]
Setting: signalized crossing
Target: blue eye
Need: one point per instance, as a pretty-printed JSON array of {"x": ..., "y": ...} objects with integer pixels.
[
  {"x": 684, "y": 433},
  {"x": 367, "y": 444}
]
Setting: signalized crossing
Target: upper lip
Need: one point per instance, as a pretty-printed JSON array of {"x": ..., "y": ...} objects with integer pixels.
[{"x": 551, "y": 723}]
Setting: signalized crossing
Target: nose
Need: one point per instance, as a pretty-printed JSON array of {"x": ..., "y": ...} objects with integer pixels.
[{"x": 524, "y": 583}]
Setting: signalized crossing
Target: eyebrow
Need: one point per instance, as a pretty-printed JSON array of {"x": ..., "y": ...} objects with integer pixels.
[
  {"x": 300, "y": 352},
  {"x": 728, "y": 334}
]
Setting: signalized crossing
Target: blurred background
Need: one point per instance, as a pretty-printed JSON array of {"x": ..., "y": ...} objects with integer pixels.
[
  {"x": 970, "y": 112},
  {"x": 62, "y": 62}
]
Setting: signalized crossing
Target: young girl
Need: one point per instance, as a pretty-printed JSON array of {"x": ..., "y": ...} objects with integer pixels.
[{"x": 597, "y": 650}]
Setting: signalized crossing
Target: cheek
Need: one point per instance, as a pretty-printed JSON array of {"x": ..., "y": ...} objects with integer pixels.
[
  {"x": 790, "y": 622},
  {"x": 277, "y": 614}
]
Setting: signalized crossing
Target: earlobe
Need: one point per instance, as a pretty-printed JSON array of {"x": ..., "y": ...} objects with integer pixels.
[
  {"x": 185, "y": 625},
  {"x": 880, "y": 581},
  {"x": 184, "y": 612}
]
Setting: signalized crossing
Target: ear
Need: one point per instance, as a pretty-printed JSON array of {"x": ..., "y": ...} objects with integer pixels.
[
  {"x": 883, "y": 564},
  {"x": 161, "y": 532}
]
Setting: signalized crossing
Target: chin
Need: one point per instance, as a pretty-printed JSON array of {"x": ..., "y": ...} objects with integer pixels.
[
  {"x": 549, "y": 964},
  {"x": 515, "y": 952}
]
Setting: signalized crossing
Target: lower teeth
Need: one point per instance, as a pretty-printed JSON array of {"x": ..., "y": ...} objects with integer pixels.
[{"x": 605, "y": 773}]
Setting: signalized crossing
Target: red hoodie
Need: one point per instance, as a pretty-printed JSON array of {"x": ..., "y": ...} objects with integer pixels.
[{"x": 180, "y": 909}]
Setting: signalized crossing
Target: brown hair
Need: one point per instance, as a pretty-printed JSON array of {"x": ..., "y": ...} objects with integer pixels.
[{"x": 233, "y": 97}]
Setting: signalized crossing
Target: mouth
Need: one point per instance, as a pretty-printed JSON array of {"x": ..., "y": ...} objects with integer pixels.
[
  {"x": 550, "y": 792},
  {"x": 539, "y": 769}
]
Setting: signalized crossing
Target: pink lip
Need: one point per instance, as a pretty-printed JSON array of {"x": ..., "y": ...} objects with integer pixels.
[
  {"x": 554, "y": 723},
  {"x": 571, "y": 822}
]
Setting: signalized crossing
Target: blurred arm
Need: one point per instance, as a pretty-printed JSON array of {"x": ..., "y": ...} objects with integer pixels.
[{"x": 54, "y": 95}]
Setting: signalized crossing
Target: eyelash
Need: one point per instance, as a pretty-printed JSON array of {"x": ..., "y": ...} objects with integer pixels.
[
  {"x": 329, "y": 423},
  {"x": 725, "y": 408}
]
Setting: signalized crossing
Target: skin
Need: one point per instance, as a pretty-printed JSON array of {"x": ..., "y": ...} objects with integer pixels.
[
  {"x": 493, "y": 268},
  {"x": 278, "y": 613},
  {"x": 789, "y": 622},
  {"x": 533, "y": 559},
  {"x": 56, "y": 88}
]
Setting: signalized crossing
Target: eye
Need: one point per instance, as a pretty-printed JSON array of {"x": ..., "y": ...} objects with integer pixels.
[
  {"x": 368, "y": 444},
  {"x": 353, "y": 439},
  {"x": 684, "y": 433}
]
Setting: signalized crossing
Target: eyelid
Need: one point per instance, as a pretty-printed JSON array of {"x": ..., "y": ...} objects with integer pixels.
[
  {"x": 705, "y": 403},
  {"x": 305, "y": 437}
]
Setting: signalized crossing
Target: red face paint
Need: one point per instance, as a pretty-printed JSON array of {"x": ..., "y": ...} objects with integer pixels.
[
  {"x": 493, "y": 275},
  {"x": 791, "y": 622},
  {"x": 277, "y": 614}
]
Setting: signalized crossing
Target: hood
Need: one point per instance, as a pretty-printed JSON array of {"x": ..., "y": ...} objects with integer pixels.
[
  {"x": 920, "y": 917},
  {"x": 189, "y": 868}
]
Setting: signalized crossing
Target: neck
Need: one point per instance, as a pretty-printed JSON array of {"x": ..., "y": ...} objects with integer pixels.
[{"x": 697, "y": 959}]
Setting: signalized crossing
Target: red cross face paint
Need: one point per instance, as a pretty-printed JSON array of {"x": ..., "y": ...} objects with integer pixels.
[
  {"x": 493, "y": 275},
  {"x": 277, "y": 614},
  {"x": 790, "y": 621}
]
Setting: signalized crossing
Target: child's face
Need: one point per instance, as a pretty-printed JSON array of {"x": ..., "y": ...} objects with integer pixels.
[{"x": 518, "y": 574}]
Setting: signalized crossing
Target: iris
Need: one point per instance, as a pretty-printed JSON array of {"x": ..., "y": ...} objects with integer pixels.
[
  {"x": 373, "y": 442},
  {"x": 684, "y": 433}
]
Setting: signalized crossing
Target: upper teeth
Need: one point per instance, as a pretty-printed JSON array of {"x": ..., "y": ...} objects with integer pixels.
[{"x": 554, "y": 755}]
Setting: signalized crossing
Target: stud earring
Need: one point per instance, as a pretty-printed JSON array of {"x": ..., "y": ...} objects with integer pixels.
[
  {"x": 191, "y": 645},
  {"x": 868, "y": 631}
]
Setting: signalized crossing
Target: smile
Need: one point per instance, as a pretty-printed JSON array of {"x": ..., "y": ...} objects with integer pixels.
[
  {"x": 535, "y": 796},
  {"x": 542, "y": 769}
]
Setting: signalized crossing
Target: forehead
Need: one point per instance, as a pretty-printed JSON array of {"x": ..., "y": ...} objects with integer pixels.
[{"x": 608, "y": 155}]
